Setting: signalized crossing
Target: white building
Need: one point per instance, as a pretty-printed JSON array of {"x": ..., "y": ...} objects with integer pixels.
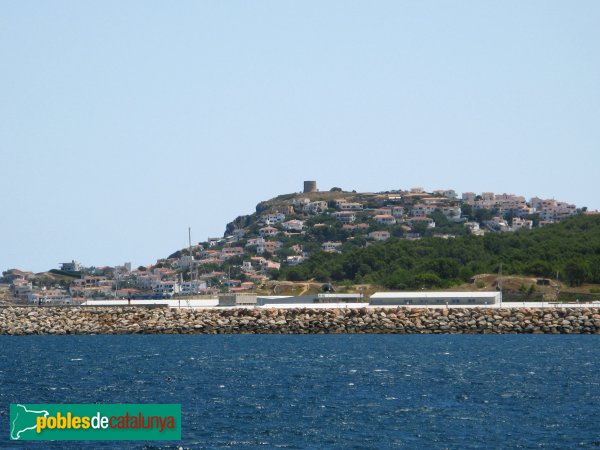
[
  {"x": 167, "y": 288},
  {"x": 49, "y": 297},
  {"x": 315, "y": 207},
  {"x": 379, "y": 235},
  {"x": 294, "y": 260},
  {"x": 345, "y": 216},
  {"x": 73, "y": 266},
  {"x": 273, "y": 218},
  {"x": 349, "y": 206},
  {"x": 385, "y": 219},
  {"x": 331, "y": 247},
  {"x": 426, "y": 220},
  {"x": 268, "y": 231},
  {"x": 429, "y": 298},
  {"x": 192, "y": 287},
  {"x": 293, "y": 225}
]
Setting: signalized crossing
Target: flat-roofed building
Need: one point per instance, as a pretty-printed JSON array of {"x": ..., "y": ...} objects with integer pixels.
[
  {"x": 431, "y": 298},
  {"x": 237, "y": 299}
]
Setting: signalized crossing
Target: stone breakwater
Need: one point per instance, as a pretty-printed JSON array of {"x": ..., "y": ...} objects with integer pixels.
[{"x": 135, "y": 320}]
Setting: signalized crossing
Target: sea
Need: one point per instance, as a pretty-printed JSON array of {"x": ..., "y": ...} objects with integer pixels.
[{"x": 322, "y": 391}]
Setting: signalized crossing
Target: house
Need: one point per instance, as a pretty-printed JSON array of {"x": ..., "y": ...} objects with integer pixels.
[
  {"x": 497, "y": 224},
  {"x": 273, "y": 218},
  {"x": 167, "y": 288},
  {"x": 213, "y": 242},
  {"x": 272, "y": 265},
  {"x": 422, "y": 210},
  {"x": 90, "y": 281},
  {"x": 268, "y": 246},
  {"x": 228, "y": 252},
  {"x": 147, "y": 280},
  {"x": 331, "y": 247},
  {"x": 382, "y": 211},
  {"x": 268, "y": 231},
  {"x": 15, "y": 274},
  {"x": 379, "y": 235},
  {"x": 315, "y": 207},
  {"x": 164, "y": 272},
  {"x": 238, "y": 234},
  {"x": 294, "y": 260},
  {"x": 49, "y": 297},
  {"x": 426, "y": 220},
  {"x": 192, "y": 287},
  {"x": 452, "y": 212},
  {"x": 348, "y": 206},
  {"x": 519, "y": 224},
  {"x": 185, "y": 261},
  {"x": 127, "y": 293},
  {"x": 293, "y": 225},
  {"x": 385, "y": 219},
  {"x": 448, "y": 193},
  {"x": 398, "y": 212},
  {"x": 345, "y": 216},
  {"x": 73, "y": 266},
  {"x": 301, "y": 202},
  {"x": 254, "y": 241},
  {"x": 258, "y": 260},
  {"x": 21, "y": 288},
  {"x": 474, "y": 229},
  {"x": 469, "y": 197}
]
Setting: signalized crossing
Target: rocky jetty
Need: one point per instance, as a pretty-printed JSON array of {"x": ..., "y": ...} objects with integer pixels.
[{"x": 139, "y": 320}]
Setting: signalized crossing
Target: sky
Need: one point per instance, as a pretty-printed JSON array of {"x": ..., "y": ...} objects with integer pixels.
[{"x": 124, "y": 123}]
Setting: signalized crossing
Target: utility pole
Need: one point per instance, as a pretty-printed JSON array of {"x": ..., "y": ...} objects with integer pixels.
[{"x": 500, "y": 284}]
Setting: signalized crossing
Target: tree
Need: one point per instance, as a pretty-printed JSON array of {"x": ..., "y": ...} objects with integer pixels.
[{"x": 576, "y": 272}]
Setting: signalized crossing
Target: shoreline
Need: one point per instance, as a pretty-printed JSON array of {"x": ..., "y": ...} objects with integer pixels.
[{"x": 20, "y": 321}]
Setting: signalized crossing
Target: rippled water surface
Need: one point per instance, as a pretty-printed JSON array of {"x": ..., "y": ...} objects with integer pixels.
[{"x": 323, "y": 391}]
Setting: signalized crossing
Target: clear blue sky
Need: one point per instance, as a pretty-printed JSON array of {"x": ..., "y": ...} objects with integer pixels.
[{"x": 123, "y": 123}]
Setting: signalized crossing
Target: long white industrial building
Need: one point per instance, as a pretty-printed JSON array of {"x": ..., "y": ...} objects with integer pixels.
[{"x": 428, "y": 298}]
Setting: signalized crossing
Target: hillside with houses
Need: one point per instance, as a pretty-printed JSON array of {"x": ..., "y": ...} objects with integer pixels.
[{"x": 289, "y": 238}]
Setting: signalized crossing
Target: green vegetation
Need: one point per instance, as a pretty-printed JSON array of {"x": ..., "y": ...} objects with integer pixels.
[{"x": 570, "y": 248}]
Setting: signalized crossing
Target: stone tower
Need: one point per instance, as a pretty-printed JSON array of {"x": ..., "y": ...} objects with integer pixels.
[{"x": 310, "y": 186}]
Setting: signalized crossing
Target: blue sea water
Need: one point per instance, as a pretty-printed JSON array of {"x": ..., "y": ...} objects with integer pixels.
[{"x": 322, "y": 391}]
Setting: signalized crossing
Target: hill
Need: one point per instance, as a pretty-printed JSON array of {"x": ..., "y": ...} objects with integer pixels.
[
  {"x": 570, "y": 249},
  {"x": 397, "y": 239}
]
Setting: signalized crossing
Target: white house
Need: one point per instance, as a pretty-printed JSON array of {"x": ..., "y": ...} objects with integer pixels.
[
  {"x": 295, "y": 260},
  {"x": 268, "y": 231},
  {"x": 398, "y": 212},
  {"x": 293, "y": 225},
  {"x": 192, "y": 287},
  {"x": 379, "y": 235},
  {"x": 273, "y": 218},
  {"x": 315, "y": 207},
  {"x": 345, "y": 216},
  {"x": 331, "y": 247},
  {"x": 255, "y": 241},
  {"x": 385, "y": 219},
  {"x": 167, "y": 288},
  {"x": 426, "y": 220}
]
